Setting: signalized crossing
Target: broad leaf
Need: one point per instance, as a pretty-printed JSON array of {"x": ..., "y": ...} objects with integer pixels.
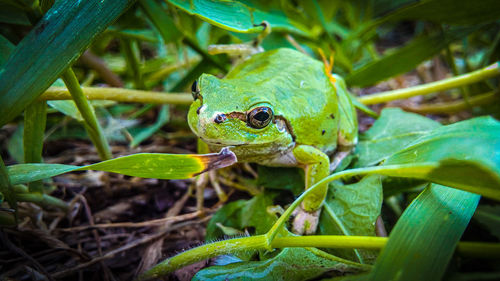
[
  {"x": 390, "y": 133},
  {"x": 243, "y": 214},
  {"x": 352, "y": 210},
  {"x": 291, "y": 179},
  {"x": 424, "y": 238},
  {"x": 236, "y": 16},
  {"x": 465, "y": 155},
  {"x": 290, "y": 264}
]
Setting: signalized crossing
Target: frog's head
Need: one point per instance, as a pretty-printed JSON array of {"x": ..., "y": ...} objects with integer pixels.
[{"x": 228, "y": 113}]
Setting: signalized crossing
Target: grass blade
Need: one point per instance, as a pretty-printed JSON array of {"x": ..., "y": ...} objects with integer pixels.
[
  {"x": 50, "y": 48},
  {"x": 425, "y": 237},
  {"x": 91, "y": 124},
  {"x": 405, "y": 58},
  {"x": 35, "y": 117},
  {"x": 146, "y": 165}
]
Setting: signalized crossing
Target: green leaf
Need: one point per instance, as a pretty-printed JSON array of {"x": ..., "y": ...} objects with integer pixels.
[
  {"x": 238, "y": 17},
  {"x": 281, "y": 178},
  {"x": 424, "y": 238},
  {"x": 489, "y": 216},
  {"x": 243, "y": 214},
  {"x": 393, "y": 131},
  {"x": 145, "y": 133},
  {"x": 459, "y": 12},
  {"x": 6, "y": 48},
  {"x": 35, "y": 117},
  {"x": 11, "y": 14},
  {"x": 163, "y": 23},
  {"x": 146, "y": 165},
  {"x": 15, "y": 144},
  {"x": 66, "y": 107},
  {"x": 464, "y": 155},
  {"x": 352, "y": 210},
  {"x": 290, "y": 264},
  {"x": 50, "y": 48},
  {"x": 6, "y": 185},
  {"x": 406, "y": 58},
  {"x": 227, "y": 216}
]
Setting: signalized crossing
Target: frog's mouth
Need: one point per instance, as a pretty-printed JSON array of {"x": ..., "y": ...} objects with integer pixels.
[{"x": 228, "y": 142}]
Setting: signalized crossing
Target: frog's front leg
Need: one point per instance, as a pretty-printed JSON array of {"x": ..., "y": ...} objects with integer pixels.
[{"x": 316, "y": 165}]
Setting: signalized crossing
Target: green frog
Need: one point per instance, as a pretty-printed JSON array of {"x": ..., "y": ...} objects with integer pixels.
[{"x": 279, "y": 108}]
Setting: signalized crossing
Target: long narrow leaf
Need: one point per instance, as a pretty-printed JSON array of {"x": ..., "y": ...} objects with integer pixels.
[
  {"x": 424, "y": 239},
  {"x": 146, "y": 165},
  {"x": 54, "y": 44},
  {"x": 405, "y": 58}
]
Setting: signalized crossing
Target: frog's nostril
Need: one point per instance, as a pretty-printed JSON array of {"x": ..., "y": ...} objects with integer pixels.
[{"x": 219, "y": 118}]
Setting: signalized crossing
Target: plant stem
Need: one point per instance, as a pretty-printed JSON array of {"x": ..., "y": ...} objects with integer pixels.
[
  {"x": 42, "y": 199},
  {"x": 87, "y": 111},
  {"x": 133, "y": 63},
  {"x": 442, "y": 85},
  {"x": 231, "y": 246},
  {"x": 6, "y": 187},
  {"x": 455, "y": 106},
  {"x": 204, "y": 252},
  {"x": 391, "y": 170},
  {"x": 35, "y": 117},
  {"x": 331, "y": 241},
  {"x": 120, "y": 95}
]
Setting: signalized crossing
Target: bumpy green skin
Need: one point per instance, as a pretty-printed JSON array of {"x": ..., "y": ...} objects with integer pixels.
[{"x": 312, "y": 117}]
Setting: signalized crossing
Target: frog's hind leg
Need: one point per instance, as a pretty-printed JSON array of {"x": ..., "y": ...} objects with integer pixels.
[{"x": 316, "y": 166}]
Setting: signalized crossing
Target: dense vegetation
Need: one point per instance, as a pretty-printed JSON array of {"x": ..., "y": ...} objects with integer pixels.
[{"x": 91, "y": 87}]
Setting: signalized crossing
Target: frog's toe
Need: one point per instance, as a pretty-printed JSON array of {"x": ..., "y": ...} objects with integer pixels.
[{"x": 305, "y": 222}]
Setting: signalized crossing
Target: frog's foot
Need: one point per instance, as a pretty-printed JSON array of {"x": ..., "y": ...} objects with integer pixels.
[{"x": 305, "y": 222}]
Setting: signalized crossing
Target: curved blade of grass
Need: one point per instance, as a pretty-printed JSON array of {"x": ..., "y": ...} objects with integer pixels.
[
  {"x": 237, "y": 16},
  {"x": 145, "y": 165},
  {"x": 6, "y": 185},
  {"x": 464, "y": 11},
  {"x": 406, "y": 58},
  {"x": 50, "y": 48},
  {"x": 425, "y": 237},
  {"x": 144, "y": 133},
  {"x": 6, "y": 47},
  {"x": 35, "y": 117}
]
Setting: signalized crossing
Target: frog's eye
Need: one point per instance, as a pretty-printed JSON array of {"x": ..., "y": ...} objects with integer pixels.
[
  {"x": 195, "y": 91},
  {"x": 259, "y": 117}
]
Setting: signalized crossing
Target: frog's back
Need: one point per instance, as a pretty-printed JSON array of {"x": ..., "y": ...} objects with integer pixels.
[{"x": 298, "y": 89}]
